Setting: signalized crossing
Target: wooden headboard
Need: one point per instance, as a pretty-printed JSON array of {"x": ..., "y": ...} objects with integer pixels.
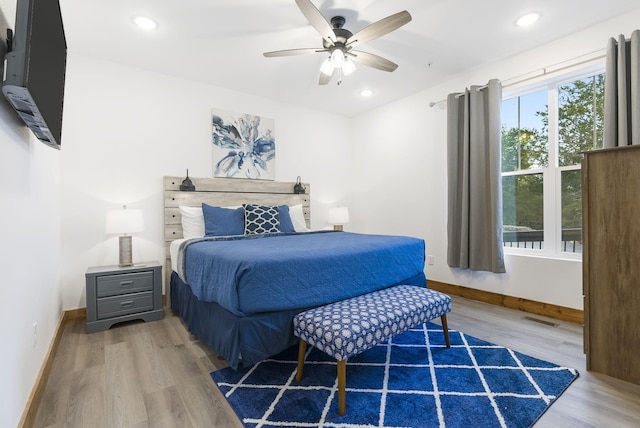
[{"x": 224, "y": 192}]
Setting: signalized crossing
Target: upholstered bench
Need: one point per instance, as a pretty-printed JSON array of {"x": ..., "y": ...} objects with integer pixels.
[{"x": 349, "y": 327}]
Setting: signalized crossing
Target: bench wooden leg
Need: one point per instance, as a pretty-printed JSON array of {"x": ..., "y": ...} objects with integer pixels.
[
  {"x": 342, "y": 380},
  {"x": 302, "y": 349},
  {"x": 445, "y": 330}
]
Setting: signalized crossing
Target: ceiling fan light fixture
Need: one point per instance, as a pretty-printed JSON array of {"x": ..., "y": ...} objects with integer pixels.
[
  {"x": 348, "y": 67},
  {"x": 327, "y": 67},
  {"x": 337, "y": 58}
]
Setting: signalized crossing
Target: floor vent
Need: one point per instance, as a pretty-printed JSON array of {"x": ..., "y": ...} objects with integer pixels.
[{"x": 539, "y": 321}]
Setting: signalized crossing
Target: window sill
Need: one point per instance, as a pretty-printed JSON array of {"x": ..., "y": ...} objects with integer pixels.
[{"x": 542, "y": 254}]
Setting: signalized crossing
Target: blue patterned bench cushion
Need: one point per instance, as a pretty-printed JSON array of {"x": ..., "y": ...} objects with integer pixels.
[{"x": 349, "y": 327}]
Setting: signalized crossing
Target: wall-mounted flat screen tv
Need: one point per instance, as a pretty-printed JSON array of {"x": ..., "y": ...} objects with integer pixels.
[{"x": 34, "y": 68}]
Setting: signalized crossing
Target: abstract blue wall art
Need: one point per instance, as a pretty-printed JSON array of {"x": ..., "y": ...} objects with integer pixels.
[{"x": 244, "y": 146}]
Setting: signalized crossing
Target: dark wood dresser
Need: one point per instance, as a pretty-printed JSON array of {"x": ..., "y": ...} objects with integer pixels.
[{"x": 611, "y": 261}]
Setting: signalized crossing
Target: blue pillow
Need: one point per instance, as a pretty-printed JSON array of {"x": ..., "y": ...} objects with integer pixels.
[
  {"x": 286, "y": 225},
  {"x": 220, "y": 221}
]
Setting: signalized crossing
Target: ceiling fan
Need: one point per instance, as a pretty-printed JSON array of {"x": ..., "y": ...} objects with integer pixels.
[{"x": 339, "y": 42}]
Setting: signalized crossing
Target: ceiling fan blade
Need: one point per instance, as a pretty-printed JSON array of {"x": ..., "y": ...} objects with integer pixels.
[
  {"x": 379, "y": 28},
  {"x": 317, "y": 21},
  {"x": 291, "y": 52},
  {"x": 325, "y": 79},
  {"x": 372, "y": 60}
]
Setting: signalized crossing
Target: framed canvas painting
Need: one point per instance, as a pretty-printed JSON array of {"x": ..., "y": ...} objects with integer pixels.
[{"x": 244, "y": 146}]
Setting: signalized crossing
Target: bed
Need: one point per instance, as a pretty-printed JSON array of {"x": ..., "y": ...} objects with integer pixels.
[{"x": 240, "y": 293}]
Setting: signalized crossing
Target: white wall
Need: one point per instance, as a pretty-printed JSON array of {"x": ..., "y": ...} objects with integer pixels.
[
  {"x": 29, "y": 255},
  {"x": 126, "y": 128},
  {"x": 400, "y": 168}
]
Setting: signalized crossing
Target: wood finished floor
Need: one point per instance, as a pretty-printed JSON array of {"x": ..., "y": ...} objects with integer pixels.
[{"x": 157, "y": 374}]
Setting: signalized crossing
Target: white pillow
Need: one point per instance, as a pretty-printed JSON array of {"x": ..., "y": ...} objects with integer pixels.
[
  {"x": 192, "y": 222},
  {"x": 297, "y": 218}
]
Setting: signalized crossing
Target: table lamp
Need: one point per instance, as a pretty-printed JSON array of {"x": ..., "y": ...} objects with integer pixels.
[
  {"x": 124, "y": 222},
  {"x": 338, "y": 216}
]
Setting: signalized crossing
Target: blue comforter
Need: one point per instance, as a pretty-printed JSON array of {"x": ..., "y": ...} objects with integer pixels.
[{"x": 261, "y": 273}]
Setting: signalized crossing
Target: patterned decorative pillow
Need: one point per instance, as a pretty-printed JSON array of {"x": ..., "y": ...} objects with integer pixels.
[{"x": 260, "y": 219}]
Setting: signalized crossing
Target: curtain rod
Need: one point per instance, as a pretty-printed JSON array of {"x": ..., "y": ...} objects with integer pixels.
[{"x": 583, "y": 59}]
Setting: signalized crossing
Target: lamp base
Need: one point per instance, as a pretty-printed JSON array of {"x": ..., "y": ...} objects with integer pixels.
[
  {"x": 337, "y": 227},
  {"x": 125, "y": 251}
]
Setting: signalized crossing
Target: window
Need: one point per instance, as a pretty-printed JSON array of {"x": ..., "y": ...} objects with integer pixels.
[{"x": 544, "y": 132}]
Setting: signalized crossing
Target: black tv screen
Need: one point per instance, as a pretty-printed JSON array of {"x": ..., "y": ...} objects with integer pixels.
[{"x": 34, "y": 68}]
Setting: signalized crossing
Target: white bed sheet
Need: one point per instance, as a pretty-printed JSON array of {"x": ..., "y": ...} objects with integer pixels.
[{"x": 173, "y": 252}]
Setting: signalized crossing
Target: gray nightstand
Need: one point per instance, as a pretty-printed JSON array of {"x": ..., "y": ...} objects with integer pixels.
[{"x": 117, "y": 294}]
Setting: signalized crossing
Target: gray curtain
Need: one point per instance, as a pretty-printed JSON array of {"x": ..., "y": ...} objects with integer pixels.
[
  {"x": 622, "y": 92},
  {"x": 474, "y": 179}
]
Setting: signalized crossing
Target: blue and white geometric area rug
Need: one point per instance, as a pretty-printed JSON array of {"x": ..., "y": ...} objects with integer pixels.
[{"x": 412, "y": 381}]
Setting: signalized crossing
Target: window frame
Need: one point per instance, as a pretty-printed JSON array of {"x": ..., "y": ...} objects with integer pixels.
[{"x": 552, "y": 174}]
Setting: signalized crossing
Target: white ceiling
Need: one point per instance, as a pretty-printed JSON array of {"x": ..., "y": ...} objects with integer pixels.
[{"x": 221, "y": 42}]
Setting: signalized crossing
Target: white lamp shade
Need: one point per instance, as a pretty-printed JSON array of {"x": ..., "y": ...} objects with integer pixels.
[
  {"x": 338, "y": 215},
  {"x": 124, "y": 221}
]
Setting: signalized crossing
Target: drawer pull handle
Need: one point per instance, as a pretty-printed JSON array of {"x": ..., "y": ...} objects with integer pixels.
[
  {"x": 126, "y": 284},
  {"x": 126, "y": 304}
]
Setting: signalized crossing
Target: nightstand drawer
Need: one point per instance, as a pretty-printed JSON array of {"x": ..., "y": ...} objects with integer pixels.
[
  {"x": 113, "y": 285},
  {"x": 123, "y": 305}
]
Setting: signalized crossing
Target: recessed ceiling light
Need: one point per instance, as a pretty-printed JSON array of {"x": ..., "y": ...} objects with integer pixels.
[
  {"x": 366, "y": 92},
  {"x": 528, "y": 19},
  {"x": 145, "y": 22}
]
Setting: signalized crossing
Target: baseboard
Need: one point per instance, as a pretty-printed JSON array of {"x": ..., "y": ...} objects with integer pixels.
[{"x": 553, "y": 311}]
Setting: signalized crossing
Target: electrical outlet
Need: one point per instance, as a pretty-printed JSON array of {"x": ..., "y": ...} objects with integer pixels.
[
  {"x": 431, "y": 260},
  {"x": 35, "y": 334}
]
